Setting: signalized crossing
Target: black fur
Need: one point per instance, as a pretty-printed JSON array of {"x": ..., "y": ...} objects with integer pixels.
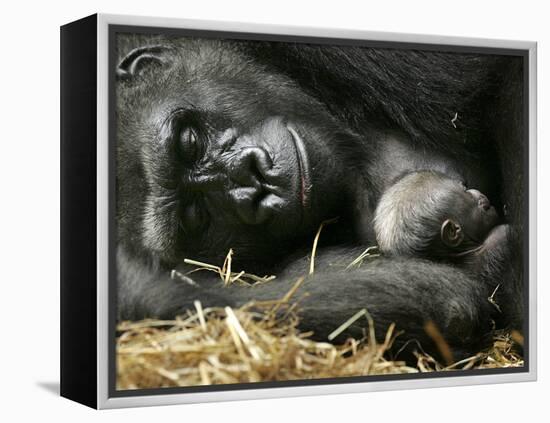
[
  {"x": 409, "y": 292},
  {"x": 369, "y": 115}
]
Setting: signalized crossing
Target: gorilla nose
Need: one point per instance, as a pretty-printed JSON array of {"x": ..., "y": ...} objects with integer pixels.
[
  {"x": 251, "y": 167},
  {"x": 253, "y": 196},
  {"x": 482, "y": 200}
]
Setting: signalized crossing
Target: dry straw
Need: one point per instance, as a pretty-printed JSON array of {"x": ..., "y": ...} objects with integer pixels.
[
  {"x": 261, "y": 342},
  {"x": 222, "y": 345}
]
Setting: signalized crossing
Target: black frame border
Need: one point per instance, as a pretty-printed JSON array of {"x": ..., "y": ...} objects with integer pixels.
[{"x": 78, "y": 211}]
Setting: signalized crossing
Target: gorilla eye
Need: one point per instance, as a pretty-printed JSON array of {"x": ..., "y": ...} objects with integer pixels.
[{"x": 189, "y": 145}]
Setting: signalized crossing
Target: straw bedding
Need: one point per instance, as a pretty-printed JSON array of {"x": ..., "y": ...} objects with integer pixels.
[{"x": 261, "y": 342}]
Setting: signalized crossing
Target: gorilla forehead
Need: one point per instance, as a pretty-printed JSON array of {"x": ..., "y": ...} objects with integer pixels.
[{"x": 213, "y": 76}]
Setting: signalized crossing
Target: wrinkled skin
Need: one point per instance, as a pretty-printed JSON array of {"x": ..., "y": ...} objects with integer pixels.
[{"x": 221, "y": 145}]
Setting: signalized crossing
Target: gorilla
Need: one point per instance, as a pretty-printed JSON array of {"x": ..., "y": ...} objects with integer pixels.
[
  {"x": 428, "y": 214},
  {"x": 251, "y": 145}
]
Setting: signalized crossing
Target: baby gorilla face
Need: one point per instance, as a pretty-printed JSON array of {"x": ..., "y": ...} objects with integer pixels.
[{"x": 471, "y": 211}]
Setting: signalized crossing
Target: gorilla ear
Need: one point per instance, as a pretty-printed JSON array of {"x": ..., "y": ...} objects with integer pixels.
[
  {"x": 451, "y": 233},
  {"x": 139, "y": 59}
]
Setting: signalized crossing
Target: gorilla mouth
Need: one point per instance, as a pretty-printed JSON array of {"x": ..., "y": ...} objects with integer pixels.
[{"x": 303, "y": 164}]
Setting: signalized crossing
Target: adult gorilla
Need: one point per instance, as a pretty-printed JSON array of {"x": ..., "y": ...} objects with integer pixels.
[{"x": 250, "y": 146}]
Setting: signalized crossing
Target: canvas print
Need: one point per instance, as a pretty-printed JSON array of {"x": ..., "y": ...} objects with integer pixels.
[{"x": 288, "y": 211}]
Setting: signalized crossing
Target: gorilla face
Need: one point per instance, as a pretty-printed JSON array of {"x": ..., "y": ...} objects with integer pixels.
[
  {"x": 475, "y": 212},
  {"x": 223, "y": 154}
]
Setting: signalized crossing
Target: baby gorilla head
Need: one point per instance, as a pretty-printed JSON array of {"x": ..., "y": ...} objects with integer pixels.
[{"x": 431, "y": 215}]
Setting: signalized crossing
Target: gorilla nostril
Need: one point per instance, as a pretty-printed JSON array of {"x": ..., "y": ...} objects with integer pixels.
[
  {"x": 254, "y": 170},
  {"x": 251, "y": 167},
  {"x": 482, "y": 200},
  {"x": 260, "y": 164}
]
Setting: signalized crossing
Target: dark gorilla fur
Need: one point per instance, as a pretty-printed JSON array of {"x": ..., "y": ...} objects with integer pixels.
[{"x": 372, "y": 114}]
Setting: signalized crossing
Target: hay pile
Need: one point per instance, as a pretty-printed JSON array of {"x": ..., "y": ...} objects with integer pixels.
[
  {"x": 221, "y": 345},
  {"x": 261, "y": 342},
  {"x": 255, "y": 343}
]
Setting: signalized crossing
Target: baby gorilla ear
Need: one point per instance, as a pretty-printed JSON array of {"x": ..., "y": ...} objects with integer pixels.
[
  {"x": 451, "y": 233},
  {"x": 139, "y": 59}
]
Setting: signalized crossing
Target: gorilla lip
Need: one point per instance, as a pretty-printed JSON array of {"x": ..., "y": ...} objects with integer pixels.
[{"x": 303, "y": 164}]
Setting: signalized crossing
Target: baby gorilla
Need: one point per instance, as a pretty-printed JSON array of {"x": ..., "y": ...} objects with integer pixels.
[{"x": 428, "y": 214}]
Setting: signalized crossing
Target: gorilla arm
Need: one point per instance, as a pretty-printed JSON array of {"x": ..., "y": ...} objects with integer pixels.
[
  {"x": 495, "y": 265},
  {"x": 406, "y": 292}
]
